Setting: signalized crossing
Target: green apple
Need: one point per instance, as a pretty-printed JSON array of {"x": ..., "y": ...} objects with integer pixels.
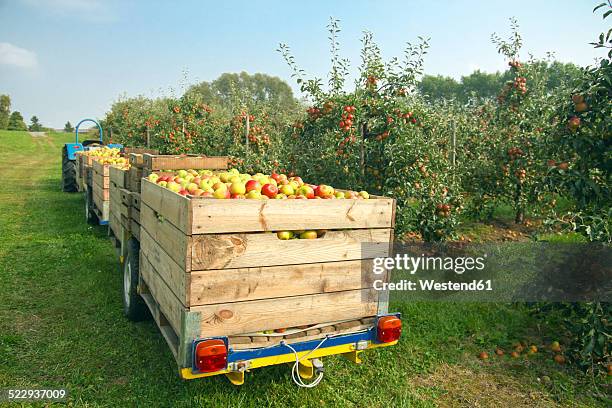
[
  {"x": 308, "y": 235},
  {"x": 192, "y": 187},
  {"x": 237, "y": 187},
  {"x": 287, "y": 190},
  {"x": 284, "y": 235},
  {"x": 153, "y": 177},
  {"x": 253, "y": 195},
  {"x": 364, "y": 194},
  {"x": 339, "y": 194},
  {"x": 182, "y": 173},
  {"x": 172, "y": 186}
]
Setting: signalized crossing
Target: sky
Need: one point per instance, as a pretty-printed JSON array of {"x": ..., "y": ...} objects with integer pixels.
[{"x": 69, "y": 59}]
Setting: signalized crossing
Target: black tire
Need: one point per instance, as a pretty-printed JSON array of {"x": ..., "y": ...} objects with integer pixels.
[
  {"x": 134, "y": 307},
  {"x": 69, "y": 183},
  {"x": 90, "y": 215}
]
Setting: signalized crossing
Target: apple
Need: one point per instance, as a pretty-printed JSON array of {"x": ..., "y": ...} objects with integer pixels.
[
  {"x": 174, "y": 186},
  {"x": 238, "y": 196},
  {"x": 280, "y": 196},
  {"x": 207, "y": 194},
  {"x": 235, "y": 179},
  {"x": 219, "y": 186},
  {"x": 364, "y": 194},
  {"x": 350, "y": 194},
  {"x": 298, "y": 180},
  {"x": 197, "y": 180},
  {"x": 191, "y": 187},
  {"x": 269, "y": 190},
  {"x": 294, "y": 184},
  {"x": 308, "y": 235},
  {"x": 221, "y": 193},
  {"x": 254, "y": 195},
  {"x": 306, "y": 191},
  {"x": 325, "y": 191},
  {"x": 153, "y": 177},
  {"x": 224, "y": 177},
  {"x": 163, "y": 183},
  {"x": 178, "y": 179},
  {"x": 284, "y": 235},
  {"x": 182, "y": 173},
  {"x": 238, "y": 188},
  {"x": 253, "y": 185},
  {"x": 183, "y": 192},
  {"x": 287, "y": 190},
  {"x": 198, "y": 192},
  {"x": 339, "y": 194},
  {"x": 276, "y": 177}
]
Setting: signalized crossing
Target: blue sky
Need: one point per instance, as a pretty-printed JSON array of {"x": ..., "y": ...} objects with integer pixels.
[{"x": 68, "y": 59}]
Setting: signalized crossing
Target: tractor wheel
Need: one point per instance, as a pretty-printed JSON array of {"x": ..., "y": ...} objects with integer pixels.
[
  {"x": 134, "y": 307},
  {"x": 69, "y": 183},
  {"x": 90, "y": 215}
]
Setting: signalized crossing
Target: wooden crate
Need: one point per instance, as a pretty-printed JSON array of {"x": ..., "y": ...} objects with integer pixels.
[
  {"x": 101, "y": 189},
  {"x": 215, "y": 267},
  {"x": 138, "y": 150}
]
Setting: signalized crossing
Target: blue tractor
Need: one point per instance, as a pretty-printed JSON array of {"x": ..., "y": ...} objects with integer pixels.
[{"x": 69, "y": 182}]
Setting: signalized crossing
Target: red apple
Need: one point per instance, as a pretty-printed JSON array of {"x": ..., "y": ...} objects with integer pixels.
[
  {"x": 325, "y": 191},
  {"x": 306, "y": 191},
  {"x": 237, "y": 196},
  {"x": 276, "y": 177},
  {"x": 253, "y": 185},
  {"x": 269, "y": 190},
  {"x": 183, "y": 192}
]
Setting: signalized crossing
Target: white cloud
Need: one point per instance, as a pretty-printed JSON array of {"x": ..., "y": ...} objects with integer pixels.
[
  {"x": 94, "y": 10},
  {"x": 20, "y": 57}
]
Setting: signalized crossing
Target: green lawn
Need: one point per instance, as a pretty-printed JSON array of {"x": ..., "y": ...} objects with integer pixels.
[{"x": 61, "y": 325}]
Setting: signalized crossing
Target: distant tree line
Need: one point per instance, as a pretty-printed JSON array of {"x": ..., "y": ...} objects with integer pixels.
[{"x": 483, "y": 85}]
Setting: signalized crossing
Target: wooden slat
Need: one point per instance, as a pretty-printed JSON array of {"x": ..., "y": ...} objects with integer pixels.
[
  {"x": 172, "y": 274},
  {"x": 135, "y": 229},
  {"x": 257, "y": 315},
  {"x": 234, "y": 285},
  {"x": 101, "y": 169},
  {"x": 101, "y": 180},
  {"x": 135, "y": 159},
  {"x": 222, "y": 251},
  {"x": 125, "y": 223},
  {"x": 155, "y": 162},
  {"x": 216, "y": 216},
  {"x": 135, "y": 214},
  {"x": 134, "y": 176},
  {"x": 175, "y": 243},
  {"x": 135, "y": 199},
  {"x": 118, "y": 176},
  {"x": 102, "y": 191},
  {"x": 126, "y": 197},
  {"x": 169, "y": 304},
  {"x": 138, "y": 150},
  {"x": 174, "y": 207}
]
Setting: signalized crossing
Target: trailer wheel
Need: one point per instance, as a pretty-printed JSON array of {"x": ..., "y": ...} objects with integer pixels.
[
  {"x": 69, "y": 183},
  {"x": 90, "y": 214},
  {"x": 134, "y": 306}
]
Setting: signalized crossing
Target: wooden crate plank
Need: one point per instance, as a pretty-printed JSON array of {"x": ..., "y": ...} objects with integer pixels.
[
  {"x": 165, "y": 162},
  {"x": 135, "y": 200},
  {"x": 257, "y": 315},
  {"x": 172, "y": 274},
  {"x": 169, "y": 304},
  {"x": 100, "y": 190},
  {"x": 216, "y": 216},
  {"x": 222, "y": 251},
  {"x": 134, "y": 176},
  {"x": 125, "y": 223},
  {"x": 235, "y": 285},
  {"x": 135, "y": 229},
  {"x": 126, "y": 197},
  {"x": 175, "y": 243},
  {"x": 118, "y": 176},
  {"x": 101, "y": 169},
  {"x": 101, "y": 180},
  {"x": 135, "y": 159},
  {"x": 138, "y": 150},
  {"x": 135, "y": 214},
  {"x": 174, "y": 207}
]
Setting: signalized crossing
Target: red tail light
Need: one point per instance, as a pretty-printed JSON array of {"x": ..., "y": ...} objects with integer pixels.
[
  {"x": 389, "y": 329},
  {"x": 210, "y": 356}
]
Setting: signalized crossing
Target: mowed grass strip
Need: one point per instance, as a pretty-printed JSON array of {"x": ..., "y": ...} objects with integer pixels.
[{"x": 61, "y": 324}]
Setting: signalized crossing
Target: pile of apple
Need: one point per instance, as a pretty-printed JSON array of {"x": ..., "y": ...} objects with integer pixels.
[
  {"x": 235, "y": 185},
  {"x": 108, "y": 155}
]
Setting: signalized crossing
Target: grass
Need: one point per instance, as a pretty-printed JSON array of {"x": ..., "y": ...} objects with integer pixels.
[{"x": 61, "y": 325}]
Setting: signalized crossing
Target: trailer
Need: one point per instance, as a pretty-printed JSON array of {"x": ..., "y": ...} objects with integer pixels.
[{"x": 228, "y": 296}]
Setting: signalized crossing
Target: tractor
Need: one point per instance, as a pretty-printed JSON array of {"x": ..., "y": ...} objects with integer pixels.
[{"x": 69, "y": 182}]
